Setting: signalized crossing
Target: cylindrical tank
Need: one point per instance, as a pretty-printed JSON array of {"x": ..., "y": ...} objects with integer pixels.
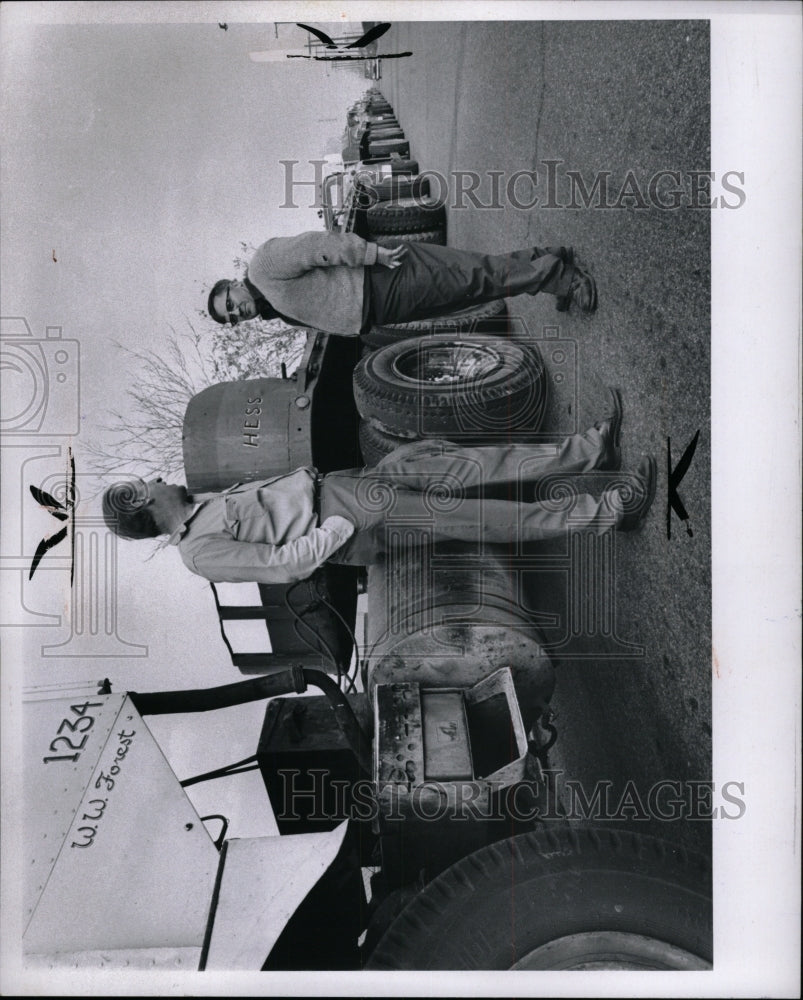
[
  {"x": 257, "y": 428},
  {"x": 451, "y": 627},
  {"x": 240, "y": 431}
]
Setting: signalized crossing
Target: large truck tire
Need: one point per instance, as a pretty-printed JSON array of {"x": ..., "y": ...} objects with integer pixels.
[
  {"x": 376, "y": 441},
  {"x": 406, "y": 215},
  {"x": 409, "y": 188},
  {"x": 383, "y": 147},
  {"x": 436, "y": 236},
  {"x": 388, "y": 132},
  {"x": 398, "y": 165},
  {"x": 443, "y": 385},
  {"x": 459, "y": 321},
  {"x": 404, "y": 167},
  {"x": 581, "y": 898}
]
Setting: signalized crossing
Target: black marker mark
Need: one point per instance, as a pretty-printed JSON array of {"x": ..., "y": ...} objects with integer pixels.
[{"x": 675, "y": 476}]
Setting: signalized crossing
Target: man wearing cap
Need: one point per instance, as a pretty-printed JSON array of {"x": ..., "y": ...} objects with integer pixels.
[
  {"x": 343, "y": 284},
  {"x": 282, "y": 529}
]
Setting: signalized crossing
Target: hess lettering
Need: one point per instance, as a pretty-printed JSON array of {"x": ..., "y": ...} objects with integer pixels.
[{"x": 251, "y": 422}]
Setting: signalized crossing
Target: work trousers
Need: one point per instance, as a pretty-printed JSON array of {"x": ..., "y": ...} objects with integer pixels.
[
  {"x": 435, "y": 491},
  {"x": 433, "y": 280}
]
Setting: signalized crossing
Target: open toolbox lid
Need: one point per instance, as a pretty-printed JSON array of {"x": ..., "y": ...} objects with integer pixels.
[{"x": 438, "y": 734}]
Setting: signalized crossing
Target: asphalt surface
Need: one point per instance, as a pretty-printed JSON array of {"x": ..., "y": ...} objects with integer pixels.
[{"x": 633, "y": 704}]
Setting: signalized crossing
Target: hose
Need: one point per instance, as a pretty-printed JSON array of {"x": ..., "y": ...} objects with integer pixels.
[
  {"x": 346, "y": 719},
  {"x": 297, "y": 679}
]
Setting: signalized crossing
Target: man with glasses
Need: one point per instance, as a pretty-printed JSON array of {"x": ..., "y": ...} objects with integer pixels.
[
  {"x": 342, "y": 284},
  {"x": 282, "y": 529}
]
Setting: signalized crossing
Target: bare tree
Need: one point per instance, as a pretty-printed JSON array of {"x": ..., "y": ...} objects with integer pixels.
[{"x": 146, "y": 439}]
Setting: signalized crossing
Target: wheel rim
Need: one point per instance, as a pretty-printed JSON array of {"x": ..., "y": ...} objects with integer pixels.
[
  {"x": 610, "y": 950},
  {"x": 444, "y": 364}
]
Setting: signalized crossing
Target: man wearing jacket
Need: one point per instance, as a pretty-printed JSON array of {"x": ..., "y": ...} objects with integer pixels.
[
  {"x": 342, "y": 284},
  {"x": 282, "y": 529}
]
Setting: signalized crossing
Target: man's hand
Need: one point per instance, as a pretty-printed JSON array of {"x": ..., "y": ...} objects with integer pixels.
[
  {"x": 337, "y": 523},
  {"x": 391, "y": 258}
]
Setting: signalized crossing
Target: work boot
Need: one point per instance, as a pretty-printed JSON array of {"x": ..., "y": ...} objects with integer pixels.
[
  {"x": 611, "y": 429},
  {"x": 582, "y": 293}
]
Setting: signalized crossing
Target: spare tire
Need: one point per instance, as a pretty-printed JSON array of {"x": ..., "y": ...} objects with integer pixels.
[
  {"x": 473, "y": 386},
  {"x": 412, "y": 188},
  {"x": 436, "y": 236},
  {"x": 406, "y": 215},
  {"x": 461, "y": 320},
  {"x": 380, "y": 147},
  {"x": 376, "y": 441},
  {"x": 488, "y": 317},
  {"x": 388, "y": 132},
  {"x": 397, "y": 165},
  {"x": 404, "y": 168}
]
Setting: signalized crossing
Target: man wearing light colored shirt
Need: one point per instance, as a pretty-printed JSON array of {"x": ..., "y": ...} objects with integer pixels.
[{"x": 281, "y": 529}]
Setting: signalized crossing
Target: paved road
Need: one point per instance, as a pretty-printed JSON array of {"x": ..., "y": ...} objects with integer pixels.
[{"x": 598, "y": 96}]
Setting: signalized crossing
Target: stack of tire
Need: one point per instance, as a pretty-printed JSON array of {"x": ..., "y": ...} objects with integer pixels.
[
  {"x": 450, "y": 377},
  {"x": 460, "y": 385},
  {"x": 400, "y": 207}
]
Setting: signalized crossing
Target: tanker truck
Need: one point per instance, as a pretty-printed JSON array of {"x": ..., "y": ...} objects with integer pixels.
[{"x": 408, "y": 770}]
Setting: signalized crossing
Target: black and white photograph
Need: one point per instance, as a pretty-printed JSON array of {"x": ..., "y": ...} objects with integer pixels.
[{"x": 400, "y": 568}]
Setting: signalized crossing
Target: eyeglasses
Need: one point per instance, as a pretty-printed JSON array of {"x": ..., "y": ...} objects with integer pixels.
[
  {"x": 141, "y": 493},
  {"x": 234, "y": 319}
]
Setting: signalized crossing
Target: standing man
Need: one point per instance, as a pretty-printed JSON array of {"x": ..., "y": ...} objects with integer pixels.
[
  {"x": 281, "y": 530},
  {"x": 342, "y": 284}
]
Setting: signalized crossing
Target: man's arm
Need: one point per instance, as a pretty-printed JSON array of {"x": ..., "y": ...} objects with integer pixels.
[
  {"x": 291, "y": 256},
  {"x": 226, "y": 560}
]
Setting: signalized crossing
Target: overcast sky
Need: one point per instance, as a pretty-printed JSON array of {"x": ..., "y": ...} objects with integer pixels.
[{"x": 136, "y": 158}]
